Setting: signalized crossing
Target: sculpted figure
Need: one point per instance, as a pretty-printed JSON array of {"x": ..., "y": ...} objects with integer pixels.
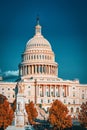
[{"x": 21, "y": 87}]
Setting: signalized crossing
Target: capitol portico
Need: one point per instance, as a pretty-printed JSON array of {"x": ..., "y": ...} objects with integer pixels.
[{"x": 39, "y": 73}]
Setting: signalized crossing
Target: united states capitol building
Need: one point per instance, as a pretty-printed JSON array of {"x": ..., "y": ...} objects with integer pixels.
[{"x": 38, "y": 70}]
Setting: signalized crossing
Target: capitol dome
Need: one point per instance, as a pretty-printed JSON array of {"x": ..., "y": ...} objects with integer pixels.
[
  {"x": 38, "y": 58},
  {"x": 38, "y": 41}
]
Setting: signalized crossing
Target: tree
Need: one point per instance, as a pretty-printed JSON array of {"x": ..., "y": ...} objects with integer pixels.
[
  {"x": 83, "y": 115},
  {"x": 32, "y": 112},
  {"x": 58, "y": 116},
  {"x": 6, "y": 112}
]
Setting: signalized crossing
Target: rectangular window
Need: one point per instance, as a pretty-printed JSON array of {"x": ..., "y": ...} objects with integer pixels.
[
  {"x": 48, "y": 101},
  {"x": 82, "y": 96},
  {"x": 29, "y": 93},
  {"x": 52, "y": 94},
  {"x": 73, "y": 101},
  {"x": 64, "y": 101},
  {"x": 48, "y": 94},
  {"x": 41, "y": 101},
  {"x": 73, "y": 94}
]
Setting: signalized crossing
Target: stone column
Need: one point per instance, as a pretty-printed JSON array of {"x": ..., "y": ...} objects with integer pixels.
[
  {"x": 21, "y": 70},
  {"x": 49, "y": 90},
  {"x": 67, "y": 90},
  {"x": 58, "y": 90},
  {"x": 32, "y": 69},
  {"x": 43, "y": 90},
  {"x": 54, "y": 91}
]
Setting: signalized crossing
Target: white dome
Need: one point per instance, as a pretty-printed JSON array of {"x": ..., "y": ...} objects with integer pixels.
[
  {"x": 38, "y": 58},
  {"x": 38, "y": 41}
]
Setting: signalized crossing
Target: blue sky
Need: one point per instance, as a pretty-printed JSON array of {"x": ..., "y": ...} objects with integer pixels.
[{"x": 64, "y": 25}]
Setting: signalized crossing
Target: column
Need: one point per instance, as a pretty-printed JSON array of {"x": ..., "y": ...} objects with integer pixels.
[
  {"x": 67, "y": 90},
  {"x": 49, "y": 90},
  {"x": 58, "y": 90},
  {"x": 32, "y": 69},
  {"x": 21, "y": 70},
  {"x": 25, "y": 70},
  {"x": 54, "y": 91},
  {"x": 49, "y": 69},
  {"x": 43, "y": 90}
]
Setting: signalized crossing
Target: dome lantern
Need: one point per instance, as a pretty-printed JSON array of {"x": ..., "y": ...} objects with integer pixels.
[{"x": 38, "y": 28}]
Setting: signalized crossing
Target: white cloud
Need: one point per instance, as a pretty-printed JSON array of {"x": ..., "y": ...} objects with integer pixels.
[{"x": 11, "y": 73}]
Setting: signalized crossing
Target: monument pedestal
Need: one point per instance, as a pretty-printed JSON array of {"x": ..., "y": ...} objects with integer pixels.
[
  {"x": 28, "y": 127},
  {"x": 21, "y": 118}
]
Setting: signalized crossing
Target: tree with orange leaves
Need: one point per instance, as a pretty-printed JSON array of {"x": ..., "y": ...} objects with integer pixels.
[
  {"x": 83, "y": 115},
  {"x": 58, "y": 116},
  {"x": 32, "y": 112},
  {"x": 6, "y": 112}
]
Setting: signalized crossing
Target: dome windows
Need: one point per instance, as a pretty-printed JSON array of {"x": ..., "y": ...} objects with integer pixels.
[{"x": 32, "y": 57}]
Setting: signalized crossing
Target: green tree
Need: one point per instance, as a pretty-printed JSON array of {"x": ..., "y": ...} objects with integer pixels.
[
  {"x": 58, "y": 116},
  {"x": 83, "y": 115},
  {"x": 32, "y": 112},
  {"x": 6, "y": 112}
]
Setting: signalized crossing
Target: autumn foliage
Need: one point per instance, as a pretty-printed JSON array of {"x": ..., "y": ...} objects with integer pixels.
[
  {"x": 83, "y": 115},
  {"x": 6, "y": 112},
  {"x": 32, "y": 112},
  {"x": 58, "y": 116}
]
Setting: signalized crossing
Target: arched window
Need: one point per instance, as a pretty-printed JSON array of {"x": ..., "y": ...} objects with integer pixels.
[
  {"x": 72, "y": 110},
  {"x": 37, "y": 57},
  {"x": 34, "y": 57},
  {"x": 29, "y": 57},
  {"x": 40, "y": 56},
  {"x": 77, "y": 110}
]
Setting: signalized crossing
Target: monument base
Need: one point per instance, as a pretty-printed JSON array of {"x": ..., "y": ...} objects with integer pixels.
[{"x": 28, "y": 127}]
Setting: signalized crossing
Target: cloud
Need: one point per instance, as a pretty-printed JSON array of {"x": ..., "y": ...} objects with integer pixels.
[{"x": 11, "y": 73}]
